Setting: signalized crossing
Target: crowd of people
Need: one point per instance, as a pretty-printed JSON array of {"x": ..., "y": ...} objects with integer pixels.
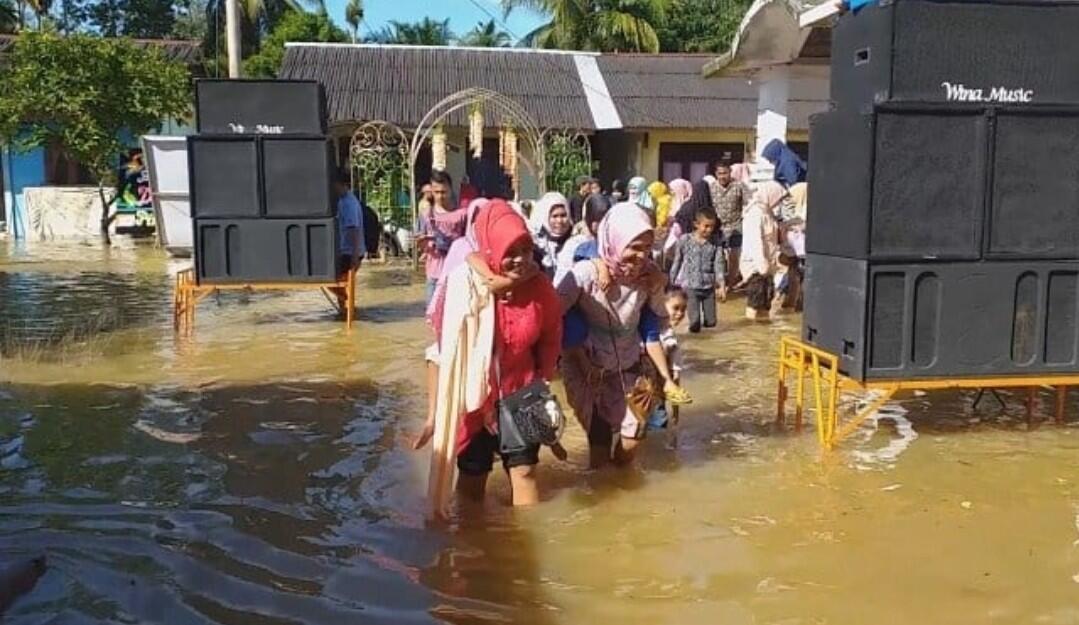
[{"x": 593, "y": 288}]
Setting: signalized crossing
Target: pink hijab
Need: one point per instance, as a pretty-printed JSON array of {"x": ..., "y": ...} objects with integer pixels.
[
  {"x": 740, "y": 173},
  {"x": 622, "y": 225},
  {"x": 681, "y": 190},
  {"x": 460, "y": 250}
]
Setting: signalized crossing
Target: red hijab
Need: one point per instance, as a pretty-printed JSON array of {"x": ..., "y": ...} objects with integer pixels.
[{"x": 498, "y": 228}]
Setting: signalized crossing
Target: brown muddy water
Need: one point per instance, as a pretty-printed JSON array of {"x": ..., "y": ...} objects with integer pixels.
[{"x": 260, "y": 473}]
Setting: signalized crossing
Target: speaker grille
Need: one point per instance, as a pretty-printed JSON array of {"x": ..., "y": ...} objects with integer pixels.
[{"x": 928, "y": 186}]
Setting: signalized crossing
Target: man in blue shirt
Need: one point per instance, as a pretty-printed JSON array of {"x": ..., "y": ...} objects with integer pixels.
[{"x": 351, "y": 247}]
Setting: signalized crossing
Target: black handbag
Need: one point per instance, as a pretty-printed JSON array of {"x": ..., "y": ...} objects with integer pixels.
[{"x": 531, "y": 416}]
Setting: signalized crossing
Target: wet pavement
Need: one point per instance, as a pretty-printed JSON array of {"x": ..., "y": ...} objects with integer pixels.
[{"x": 260, "y": 473}]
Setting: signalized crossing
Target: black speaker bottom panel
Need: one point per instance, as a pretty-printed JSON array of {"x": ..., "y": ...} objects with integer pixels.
[
  {"x": 934, "y": 320},
  {"x": 230, "y": 251}
]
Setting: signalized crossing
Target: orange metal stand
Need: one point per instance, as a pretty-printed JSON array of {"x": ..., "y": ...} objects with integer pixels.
[
  {"x": 822, "y": 370},
  {"x": 187, "y": 294}
]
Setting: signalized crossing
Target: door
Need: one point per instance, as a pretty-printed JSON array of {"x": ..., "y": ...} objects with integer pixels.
[{"x": 694, "y": 161}]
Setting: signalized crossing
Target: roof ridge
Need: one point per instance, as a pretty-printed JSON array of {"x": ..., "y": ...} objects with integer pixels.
[{"x": 395, "y": 46}]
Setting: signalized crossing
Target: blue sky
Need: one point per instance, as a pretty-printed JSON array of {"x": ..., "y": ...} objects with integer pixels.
[{"x": 463, "y": 14}]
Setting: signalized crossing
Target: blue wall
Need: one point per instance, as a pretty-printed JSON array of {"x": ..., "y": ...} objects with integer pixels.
[{"x": 21, "y": 170}]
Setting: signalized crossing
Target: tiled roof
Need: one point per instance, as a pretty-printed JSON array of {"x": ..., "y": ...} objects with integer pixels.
[{"x": 401, "y": 83}]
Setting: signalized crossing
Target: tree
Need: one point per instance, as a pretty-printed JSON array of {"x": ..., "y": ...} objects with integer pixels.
[
  {"x": 82, "y": 92},
  {"x": 427, "y": 32},
  {"x": 148, "y": 19},
  {"x": 191, "y": 21},
  {"x": 40, "y": 9},
  {"x": 294, "y": 26},
  {"x": 354, "y": 16},
  {"x": 9, "y": 19},
  {"x": 486, "y": 36},
  {"x": 601, "y": 25},
  {"x": 702, "y": 25}
]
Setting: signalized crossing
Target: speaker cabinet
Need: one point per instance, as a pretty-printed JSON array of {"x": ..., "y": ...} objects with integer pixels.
[
  {"x": 265, "y": 250},
  {"x": 956, "y": 319},
  {"x": 1035, "y": 191},
  {"x": 1002, "y": 53},
  {"x": 224, "y": 176},
  {"x": 904, "y": 184},
  {"x": 913, "y": 183},
  {"x": 297, "y": 175},
  {"x": 265, "y": 107}
]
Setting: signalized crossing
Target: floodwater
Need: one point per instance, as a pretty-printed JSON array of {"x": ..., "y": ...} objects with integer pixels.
[{"x": 260, "y": 473}]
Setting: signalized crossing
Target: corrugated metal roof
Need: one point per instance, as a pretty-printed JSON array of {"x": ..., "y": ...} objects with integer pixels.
[
  {"x": 401, "y": 83},
  {"x": 668, "y": 91}
]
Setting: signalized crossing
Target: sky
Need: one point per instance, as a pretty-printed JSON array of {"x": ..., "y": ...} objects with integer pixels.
[{"x": 463, "y": 14}]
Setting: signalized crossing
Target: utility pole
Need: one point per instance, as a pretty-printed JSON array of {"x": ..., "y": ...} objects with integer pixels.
[{"x": 232, "y": 34}]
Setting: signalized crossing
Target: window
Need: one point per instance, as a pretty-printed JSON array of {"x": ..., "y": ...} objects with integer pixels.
[
  {"x": 694, "y": 161},
  {"x": 60, "y": 170}
]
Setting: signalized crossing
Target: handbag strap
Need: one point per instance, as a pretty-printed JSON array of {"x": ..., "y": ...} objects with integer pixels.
[{"x": 612, "y": 320}]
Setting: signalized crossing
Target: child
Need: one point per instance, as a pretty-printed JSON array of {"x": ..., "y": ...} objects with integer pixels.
[
  {"x": 698, "y": 259},
  {"x": 575, "y": 331},
  {"x": 676, "y": 311}
]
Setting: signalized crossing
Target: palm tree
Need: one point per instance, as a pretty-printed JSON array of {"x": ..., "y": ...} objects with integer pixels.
[
  {"x": 601, "y": 25},
  {"x": 354, "y": 16},
  {"x": 41, "y": 10},
  {"x": 486, "y": 36},
  {"x": 427, "y": 32}
]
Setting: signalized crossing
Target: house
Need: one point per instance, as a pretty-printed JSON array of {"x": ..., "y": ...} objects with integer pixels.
[
  {"x": 779, "y": 43},
  {"x": 49, "y": 166},
  {"x": 654, "y": 115}
]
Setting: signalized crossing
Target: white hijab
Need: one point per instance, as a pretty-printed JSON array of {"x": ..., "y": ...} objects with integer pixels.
[{"x": 541, "y": 211}]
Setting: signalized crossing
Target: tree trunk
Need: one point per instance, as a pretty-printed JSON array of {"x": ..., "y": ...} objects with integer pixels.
[{"x": 106, "y": 219}]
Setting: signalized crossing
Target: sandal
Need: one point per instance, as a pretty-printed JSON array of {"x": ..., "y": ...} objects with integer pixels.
[{"x": 676, "y": 394}]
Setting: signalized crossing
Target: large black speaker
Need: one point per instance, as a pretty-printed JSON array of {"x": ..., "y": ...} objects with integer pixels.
[
  {"x": 224, "y": 176},
  {"x": 899, "y": 185},
  {"x": 1003, "y": 52},
  {"x": 267, "y": 107},
  {"x": 918, "y": 182},
  {"x": 297, "y": 175},
  {"x": 954, "y": 319},
  {"x": 265, "y": 250}
]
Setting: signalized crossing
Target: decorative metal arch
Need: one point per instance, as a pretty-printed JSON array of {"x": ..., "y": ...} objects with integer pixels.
[
  {"x": 567, "y": 155},
  {"x": 513, "y": 114},
  {"x": 378, "y": 159}
]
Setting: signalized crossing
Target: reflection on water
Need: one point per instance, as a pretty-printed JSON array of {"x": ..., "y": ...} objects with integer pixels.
[{"x": 260, "y": 473}]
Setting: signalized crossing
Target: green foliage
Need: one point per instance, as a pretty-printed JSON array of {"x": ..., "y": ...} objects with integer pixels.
[
  {"x": 294, "y": 26},
  {"x": 150, "y": 19},
  {"x": 427, "y": 32},
  {"x": 191, "y": 22},
  {"x": 702, "y": 25},
  {"x": 83, "y": 91},
  {"x": 486, "y": 36},
  {"x": 567, "y": 158},
  {"x": 601, "y": 25}
]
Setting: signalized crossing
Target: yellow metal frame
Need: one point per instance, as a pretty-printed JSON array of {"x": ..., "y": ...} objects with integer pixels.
[
  {"x": 821, "y": 369},
  {"x": 187, "y": 294}
]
